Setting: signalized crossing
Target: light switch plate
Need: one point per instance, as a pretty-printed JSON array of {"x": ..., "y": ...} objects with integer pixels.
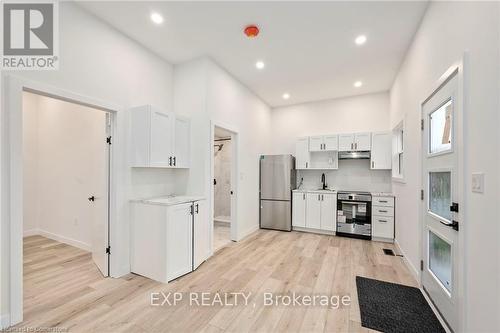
[{"x": 478, "y": 182}]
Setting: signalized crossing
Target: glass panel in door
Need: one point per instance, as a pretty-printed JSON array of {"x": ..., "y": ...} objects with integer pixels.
[
  {"x": 440, "y": 129},
  {"x": 440, "y": 194},
  {"x": 440, "y": 262}
]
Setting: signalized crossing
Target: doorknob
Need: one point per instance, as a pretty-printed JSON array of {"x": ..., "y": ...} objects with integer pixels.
[{"x": 92, "y": 198}]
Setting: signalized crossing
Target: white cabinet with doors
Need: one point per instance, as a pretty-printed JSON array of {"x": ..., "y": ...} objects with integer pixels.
[
  {"x": 302, "y": 154},
  {"x": 323, "y": 143},
  {"x": 383, "y": 218},
  {"x": 314, "y": 210},
  {"x": 381, "y": 152},
  {"x": 159, "y": 138},
  {"x": 170, "y": 237},
  {"x": 355, "y": 142},
  {"x": 299, "y": 209}
]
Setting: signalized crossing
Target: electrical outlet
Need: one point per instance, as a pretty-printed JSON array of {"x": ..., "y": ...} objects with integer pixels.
[{"x": 478, "y": 182}]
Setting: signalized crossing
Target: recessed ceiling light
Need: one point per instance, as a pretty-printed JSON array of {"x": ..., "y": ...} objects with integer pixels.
[
  {"x": 286, "y": 96},
  {"x": 360, "y": 40},
  {"x": 156, "y": 18},
  {"x": 358, "y": 84},
  {"x": 260, "y": 64}
]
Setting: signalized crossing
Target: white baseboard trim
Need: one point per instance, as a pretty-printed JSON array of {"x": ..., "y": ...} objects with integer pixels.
[
  {"x": 31, "y": 232},
  {"x": 247, "y": 233},
  {"x": 4, "y": 321},
  {"x": 314, "y": 231},
  {"x": 413, "y": 270},
  {"x": 59, "y": 238}
]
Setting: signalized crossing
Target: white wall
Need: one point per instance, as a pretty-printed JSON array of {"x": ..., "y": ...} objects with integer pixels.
[
  {"x": 99, "y": 62},
  {"x": 66, "y": 156},
  {"x": 206, "y": 93},
  {"x": 354, "y": 175},
  {"x": 364, "y": 113},
  {"x": 448, "y": 29}
]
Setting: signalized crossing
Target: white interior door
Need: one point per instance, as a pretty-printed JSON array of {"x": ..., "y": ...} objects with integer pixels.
[
  {"x": 99, "y": 200},
  {"x": 441, "y": 200}
]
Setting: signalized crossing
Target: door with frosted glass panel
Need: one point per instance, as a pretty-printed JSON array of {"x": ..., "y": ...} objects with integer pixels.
[{"x": 441, "y": 206}]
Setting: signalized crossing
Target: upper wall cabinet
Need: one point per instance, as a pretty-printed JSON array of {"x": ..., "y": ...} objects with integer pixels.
[
  {"x": 323, "y": 143},
  {"x": 355, "y": 142},
  {"x": 159, "y": 139},
  {"x": 302, "y": 155},
  {"x": 381, "y": 158}
]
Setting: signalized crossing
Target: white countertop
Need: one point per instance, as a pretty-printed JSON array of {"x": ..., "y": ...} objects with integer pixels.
[
  {"x": 169, "y": 200},
  {"x": 315, "y": 191},
  {"x": 382, "y": 194}
]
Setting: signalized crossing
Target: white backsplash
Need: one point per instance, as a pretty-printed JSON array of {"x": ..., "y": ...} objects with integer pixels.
[{"x": 354, "y": 175}]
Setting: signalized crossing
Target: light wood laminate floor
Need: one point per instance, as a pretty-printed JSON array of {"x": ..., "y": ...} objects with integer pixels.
[{"x": 63, "y": 288}]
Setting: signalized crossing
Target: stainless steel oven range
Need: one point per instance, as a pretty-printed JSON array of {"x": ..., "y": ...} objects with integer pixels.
[{"x": 354, "y": 214}]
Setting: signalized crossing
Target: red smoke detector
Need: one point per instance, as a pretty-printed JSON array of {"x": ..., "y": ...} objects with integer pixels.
[{"x": 251, "y": 31}]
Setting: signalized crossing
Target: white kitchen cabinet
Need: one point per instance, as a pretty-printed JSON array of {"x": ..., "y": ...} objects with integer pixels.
[
  {"x": 331, "y": 142},
  {"x": 328, "y": 212},
  {"x": 381, "y": 153},
  {"x": 313, "y": 210},
  {"x": 363, "y": 141},
  {"x": 302, "y": 155},
  {"x": 179, "y": 241},
  {"x": 323, "y": 143},
  {"x": 346, "y": 142},
  {"x": 299, "y": 209},
  {"x": 168, "y": 241},
  {"x": 201, "y": 229},
  {"x": 159, "y": 138},
  {"x": 316, "y": 143},
  {"x": 355, "y": 142},
  {"x": 383, "y": 218},
  {"x": 182, "y": 140}
]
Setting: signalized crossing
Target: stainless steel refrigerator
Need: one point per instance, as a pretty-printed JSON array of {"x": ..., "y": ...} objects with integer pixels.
[{"x": 277, "y": 180}]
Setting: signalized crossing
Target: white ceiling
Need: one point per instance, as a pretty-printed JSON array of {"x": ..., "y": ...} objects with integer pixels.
[{"x": 308, "y": 47}]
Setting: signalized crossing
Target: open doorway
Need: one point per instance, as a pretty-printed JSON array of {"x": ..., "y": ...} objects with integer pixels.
[
  {"x": 66, "y": 178},
  {"x": 223, "y": 187}
]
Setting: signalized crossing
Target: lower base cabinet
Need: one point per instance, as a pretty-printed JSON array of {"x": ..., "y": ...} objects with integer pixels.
[
  {"x": 169, "y": 241},
  {"x": 314, "y": 210},
  {"x": 383, "y": 219}
]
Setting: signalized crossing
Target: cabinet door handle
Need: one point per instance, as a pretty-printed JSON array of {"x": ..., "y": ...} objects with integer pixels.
[
  {"x": 170, "y": 161},
  {"x": 175, "y": 161},
  {"x": 373, "y": 164},
  {"x": 319, "y": 197},
  {"x": 356, "y": 146},
  {"x": 351, "y": 146},
  {"x": 383, "y": 221},
  {"x": 307, "y": 165},
  {"x": 383, "y": 201},
  {"x": 303, "y": 196},
  {"x": 322, "y": 197},
  {"x": 382, "y": 211},
  {"x": 197, "y": 209}
]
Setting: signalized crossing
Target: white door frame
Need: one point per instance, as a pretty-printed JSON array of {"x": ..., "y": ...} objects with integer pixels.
[
  {"x": 234, "y": 178},
  {"x": 12, "y": 175},
  {"x": 460, "y": 138}
]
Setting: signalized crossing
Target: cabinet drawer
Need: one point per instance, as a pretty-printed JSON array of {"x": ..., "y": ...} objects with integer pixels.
[
  {"x": 382, "y": 211},
  {"x": 383, "y": 201},
  {"x": 383, "y": 227}
]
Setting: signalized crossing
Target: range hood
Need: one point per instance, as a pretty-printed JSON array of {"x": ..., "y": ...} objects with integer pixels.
[{"x": 354, "y": 155}]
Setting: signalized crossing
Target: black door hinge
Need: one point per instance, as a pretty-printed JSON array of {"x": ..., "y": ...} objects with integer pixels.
[
  {"x": 108, "y": 250},
  {"x": 421, "y": 265},
  {"x": 108, "y": 140},
  {"x": 421, "y": 194},
  {"x": 454, "y": 207},
  {"x": 422, "y": 124}
]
